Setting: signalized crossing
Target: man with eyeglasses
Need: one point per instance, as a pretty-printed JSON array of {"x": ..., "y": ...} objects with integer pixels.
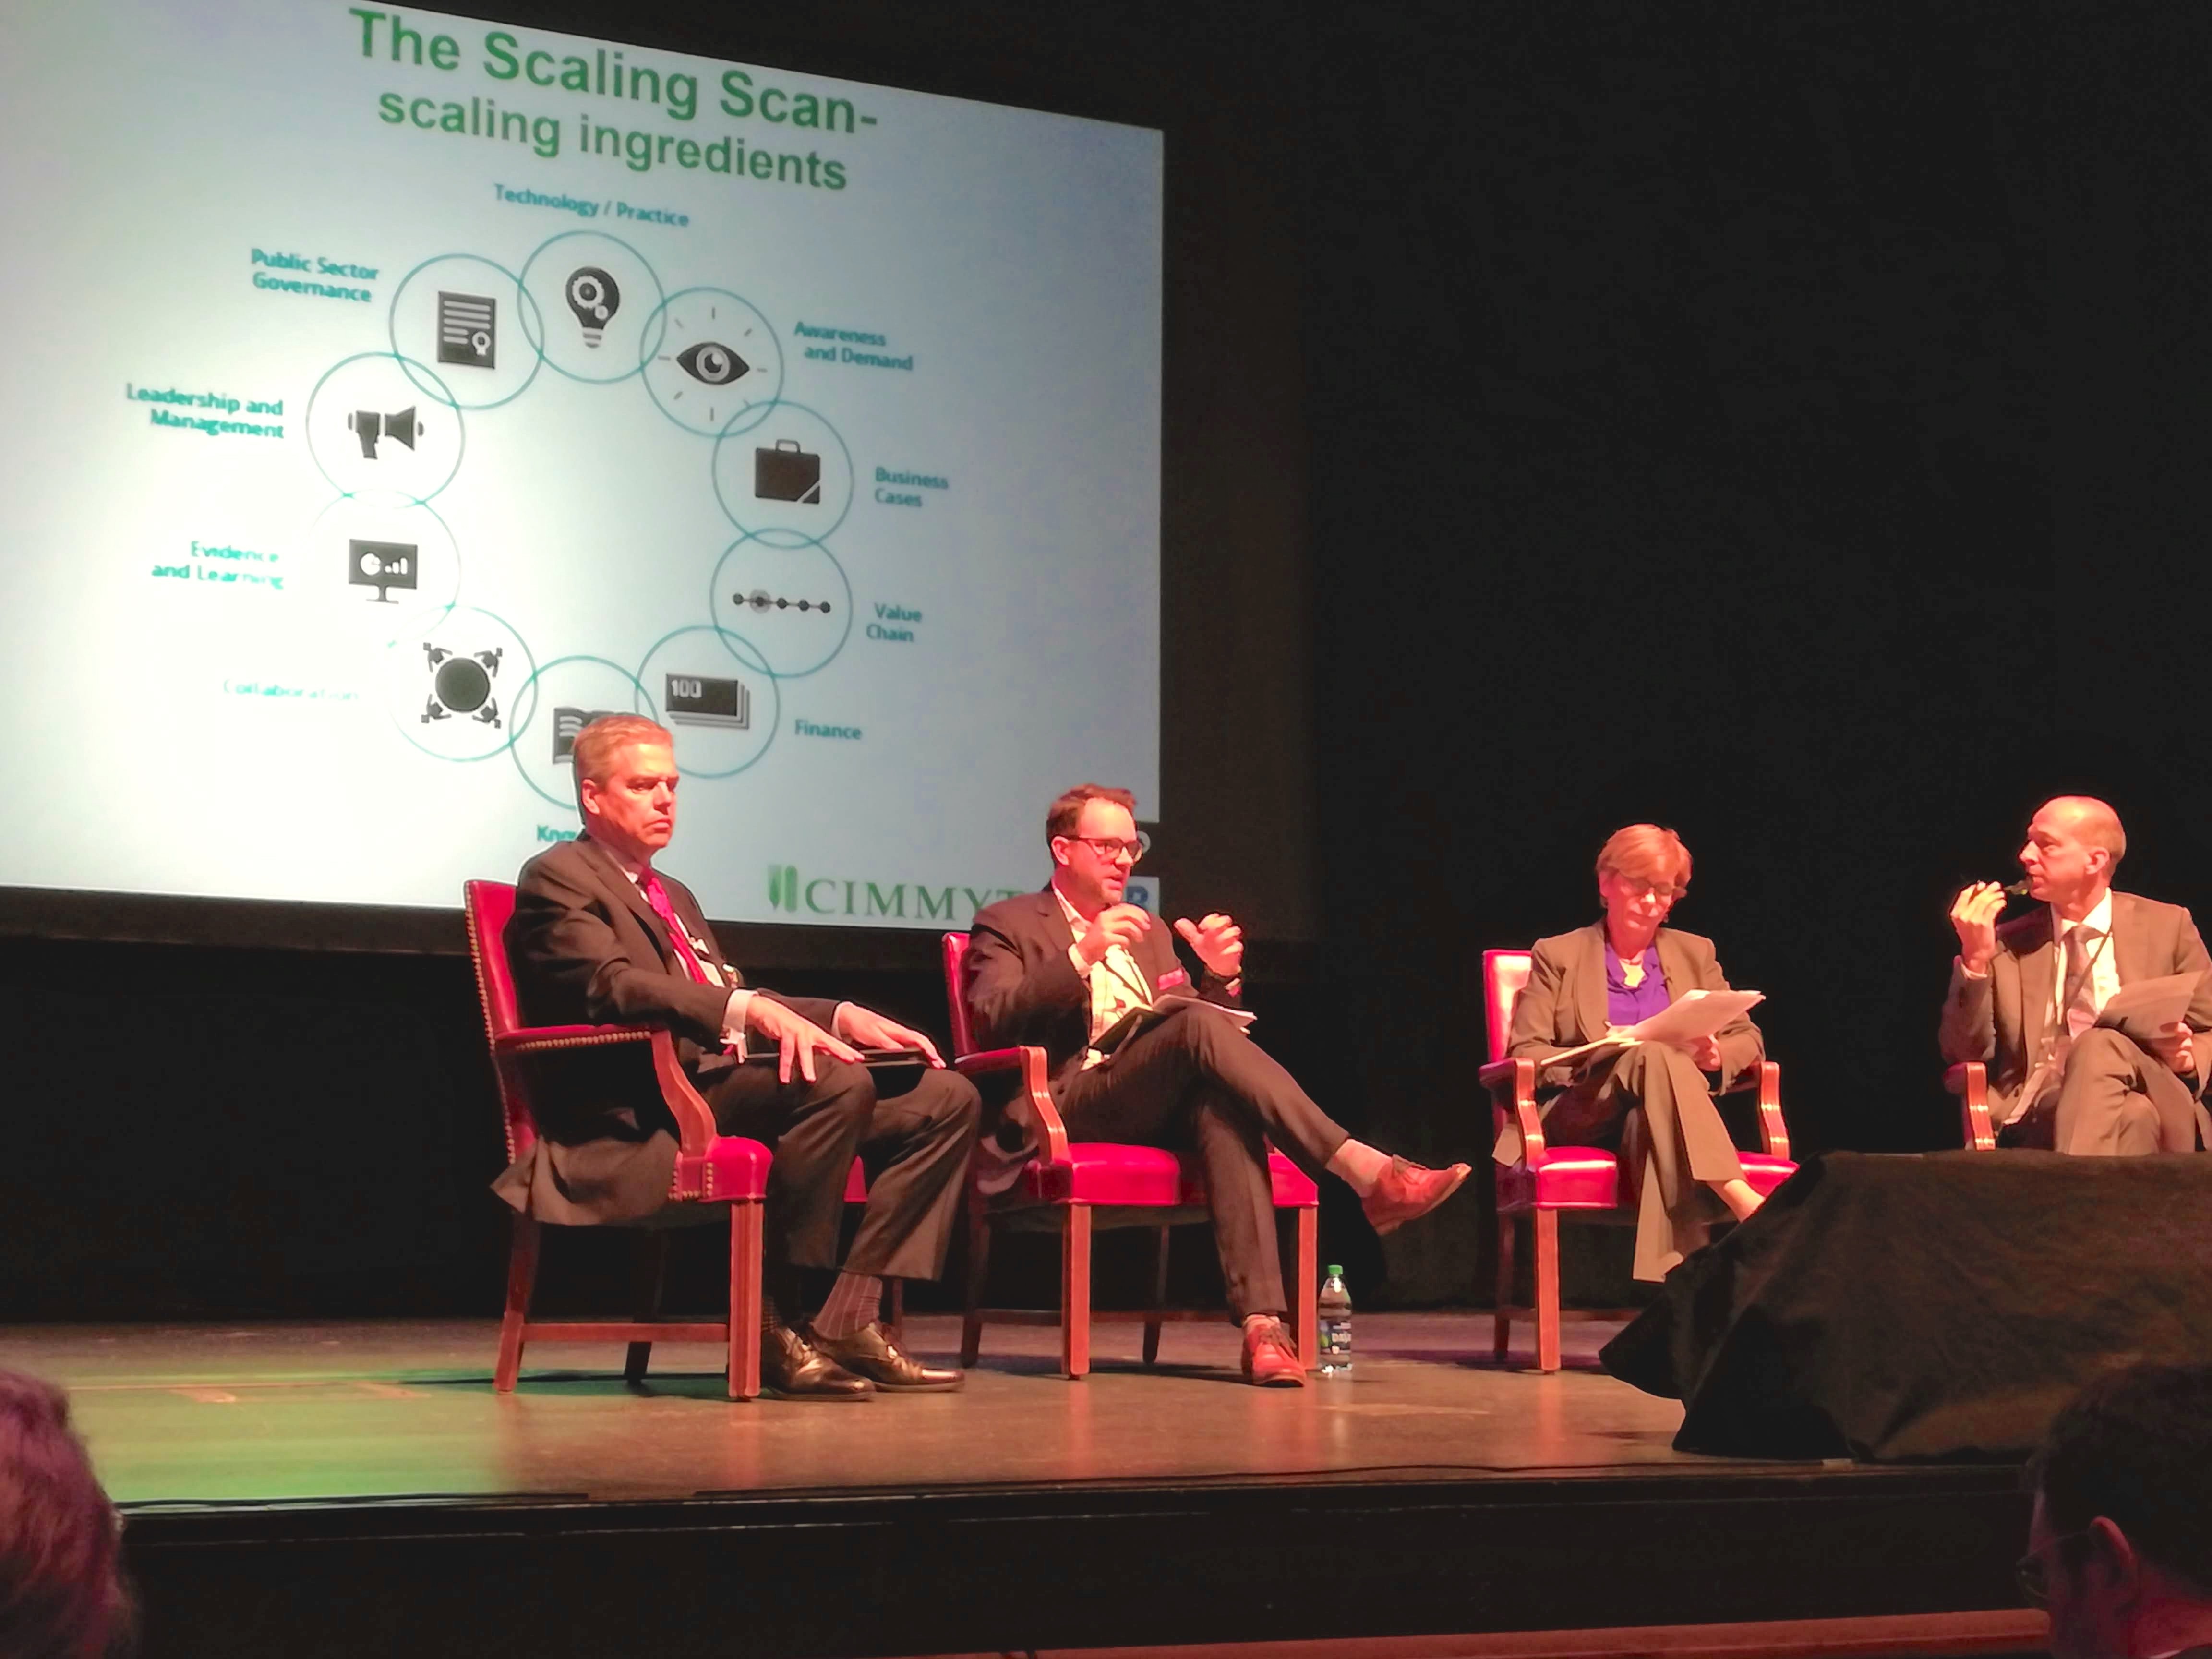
[
  {"x": 2120, "y": 1542},
  {"x": 1142, "y": 1054}
]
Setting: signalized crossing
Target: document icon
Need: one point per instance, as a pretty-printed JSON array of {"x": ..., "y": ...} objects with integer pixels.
[
  {"x": 466, "y": 331},
  {"x": 787, "y": 473}
]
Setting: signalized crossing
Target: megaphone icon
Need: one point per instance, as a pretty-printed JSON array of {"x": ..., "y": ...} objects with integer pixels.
[{"x": 367, "y": 425}]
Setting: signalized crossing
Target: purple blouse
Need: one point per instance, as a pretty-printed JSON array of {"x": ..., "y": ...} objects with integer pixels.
[{"x": 1624, "y": 1007}]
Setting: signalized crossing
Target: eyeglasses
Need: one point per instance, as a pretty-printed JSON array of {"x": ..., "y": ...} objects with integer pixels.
[
  {"x": 1111, "y": 850},
  {"x": 2033, "y": 1572}
]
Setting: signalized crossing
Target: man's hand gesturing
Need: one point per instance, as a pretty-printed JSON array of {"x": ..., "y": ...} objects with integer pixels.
[
  {"x": 1218, "y": 941},
  {"x": 1974, "y": 915},
  {"x": 1117, "y": 924}
]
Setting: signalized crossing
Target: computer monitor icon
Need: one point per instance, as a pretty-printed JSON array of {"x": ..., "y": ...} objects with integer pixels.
[{"x": 382, "y": 566}]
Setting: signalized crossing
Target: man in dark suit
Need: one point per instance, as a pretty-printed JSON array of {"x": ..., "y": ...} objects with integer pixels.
[
  {"x": 2026, "y": 998},
  {"x": 1060, "y": 971},
  {"x": 599, "y": 936}
]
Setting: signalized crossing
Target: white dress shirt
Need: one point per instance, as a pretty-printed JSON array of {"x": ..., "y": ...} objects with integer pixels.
[{"x": 1117, "y": 984}]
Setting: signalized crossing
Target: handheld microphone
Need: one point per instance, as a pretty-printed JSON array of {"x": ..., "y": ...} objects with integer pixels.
[{"x": 2018, "y": 889}]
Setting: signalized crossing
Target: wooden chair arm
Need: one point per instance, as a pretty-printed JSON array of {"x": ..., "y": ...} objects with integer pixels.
[
  {"x": 695, "y": 1118},
  {"x": 1971, "y": 1083},
  {"x": 1773, "y": 1132},
  {"x": 1512, "y": 1085},
  {"x": 1045, "y": 1127}
]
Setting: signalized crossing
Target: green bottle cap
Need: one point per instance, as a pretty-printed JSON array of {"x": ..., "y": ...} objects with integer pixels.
[{"x": 1335, "y": 1272}]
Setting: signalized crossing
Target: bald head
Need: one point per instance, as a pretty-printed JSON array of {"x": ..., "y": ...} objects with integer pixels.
[
  {"x": 2074, "y": 842},
  {"x": 2092, "y": 821}
]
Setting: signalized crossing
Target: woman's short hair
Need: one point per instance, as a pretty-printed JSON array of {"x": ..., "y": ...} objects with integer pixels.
[
  {"x": 61, "y": 1589},
  {"x": 1645, "y": 852}
]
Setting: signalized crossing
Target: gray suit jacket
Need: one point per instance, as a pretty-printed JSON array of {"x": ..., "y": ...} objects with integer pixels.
[
  {"x": 2001, "y": 1018},
  {"x": 1563, "y": 1006}
]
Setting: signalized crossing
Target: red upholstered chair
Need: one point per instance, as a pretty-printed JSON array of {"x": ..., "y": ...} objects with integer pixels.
[
  {"x": 1585, "y": 1181},
  {"x": 710, "y": 1168},
  {"x": 1072, "y": 1187},
  {"x": 1971, "y": 1083}
]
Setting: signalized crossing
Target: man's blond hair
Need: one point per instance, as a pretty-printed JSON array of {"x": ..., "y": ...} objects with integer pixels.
[{"x": 597, "y": 744}]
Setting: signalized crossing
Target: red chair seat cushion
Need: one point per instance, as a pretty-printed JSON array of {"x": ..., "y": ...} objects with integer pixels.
[
  {"x": 1108, "y": 1172},
  {"x": 1765, "y": 1171},
  {"x": 1562, "y": 1178},
  {"x": 1589, "y": 1178}
]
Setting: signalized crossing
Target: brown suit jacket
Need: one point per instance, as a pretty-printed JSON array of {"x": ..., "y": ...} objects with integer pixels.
[
  {"x": 1563, "y": 1006},
  {"x": 2001, "y": 1018},
  {"x": 588, "y": 950},
  {"x": 1020, "y": 986}
]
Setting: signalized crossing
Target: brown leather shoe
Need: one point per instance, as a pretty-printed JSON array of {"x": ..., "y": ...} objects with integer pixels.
[
  {"x": 791, "y": 1368},
  {"x": 869, "y": 1352},
  {"x": 1405, "y": 1190},
  {"x": 1271, "y": 1360}
]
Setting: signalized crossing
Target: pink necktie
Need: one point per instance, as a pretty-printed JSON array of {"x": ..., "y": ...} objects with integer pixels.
[{"x": 657, "y": 896}]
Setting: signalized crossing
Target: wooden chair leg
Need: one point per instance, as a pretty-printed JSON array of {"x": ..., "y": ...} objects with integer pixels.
[
  {"x": 979, "y": 1271},
  {"x": 1305, "y": 1301},
  {"x": 648, "y": 1283},
  {"x": 1546, "y": 1227},
  {"x": 521, "y": 1276},
  {"x": 1075, "y": 1293},
  {"x": 1159, "y": 1297},
  {"x": 1501, "y": 1331},
  {"x": 744, "y": 1333}
]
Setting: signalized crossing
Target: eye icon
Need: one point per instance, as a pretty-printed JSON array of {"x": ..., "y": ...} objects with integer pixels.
[{"x": 712, "y": 363}]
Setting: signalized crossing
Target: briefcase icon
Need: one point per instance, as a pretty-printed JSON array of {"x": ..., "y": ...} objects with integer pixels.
[{"x": 787, "y": 473}]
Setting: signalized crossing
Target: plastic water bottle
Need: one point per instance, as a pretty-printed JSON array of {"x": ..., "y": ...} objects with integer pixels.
[{"x": 1335, "y": 1325}]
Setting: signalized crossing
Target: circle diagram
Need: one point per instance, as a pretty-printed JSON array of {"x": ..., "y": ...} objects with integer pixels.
[
  {"x": 559, "y": 701},
  {"x": 593, "y": 303},
  {"x": 459, "y": 685},
  {"x": 464, "y": 315},
  {"x": 783, "y": 601},
  {"x": 727, "y": 716},
  {"x": 787, "y": 471},
  {"x": 370, "y": 434},
  {"x": 714, "y": 365}
]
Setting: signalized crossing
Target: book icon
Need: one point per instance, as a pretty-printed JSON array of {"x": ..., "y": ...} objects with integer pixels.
[
  {"x": 467, "y": 330},
  {"x": 568, "y": 724}
]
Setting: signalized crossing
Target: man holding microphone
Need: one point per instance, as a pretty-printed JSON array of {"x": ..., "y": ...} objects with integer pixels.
[
  {"x": 1067, "y": 969},
  {"x": 2025, "y": 997}
]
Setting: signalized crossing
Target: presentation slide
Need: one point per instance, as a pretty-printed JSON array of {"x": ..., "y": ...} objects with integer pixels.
[{"x": 396, "y": 392}]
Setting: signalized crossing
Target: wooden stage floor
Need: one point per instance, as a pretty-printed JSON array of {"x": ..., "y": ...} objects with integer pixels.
[
  {"x": 198, "y": 1414},
  {"x": 272, "y": 1473}
]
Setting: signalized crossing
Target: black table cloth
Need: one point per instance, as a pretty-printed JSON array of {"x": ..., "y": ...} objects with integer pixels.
[{"x": 1943, "y": 1305}]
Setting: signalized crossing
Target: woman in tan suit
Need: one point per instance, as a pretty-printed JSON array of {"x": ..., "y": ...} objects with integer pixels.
[{"x": 1651, "y": 1102}]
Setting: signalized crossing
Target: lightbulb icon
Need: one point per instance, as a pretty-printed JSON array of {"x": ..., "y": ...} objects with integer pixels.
[{"x": 593, "y": 296}]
